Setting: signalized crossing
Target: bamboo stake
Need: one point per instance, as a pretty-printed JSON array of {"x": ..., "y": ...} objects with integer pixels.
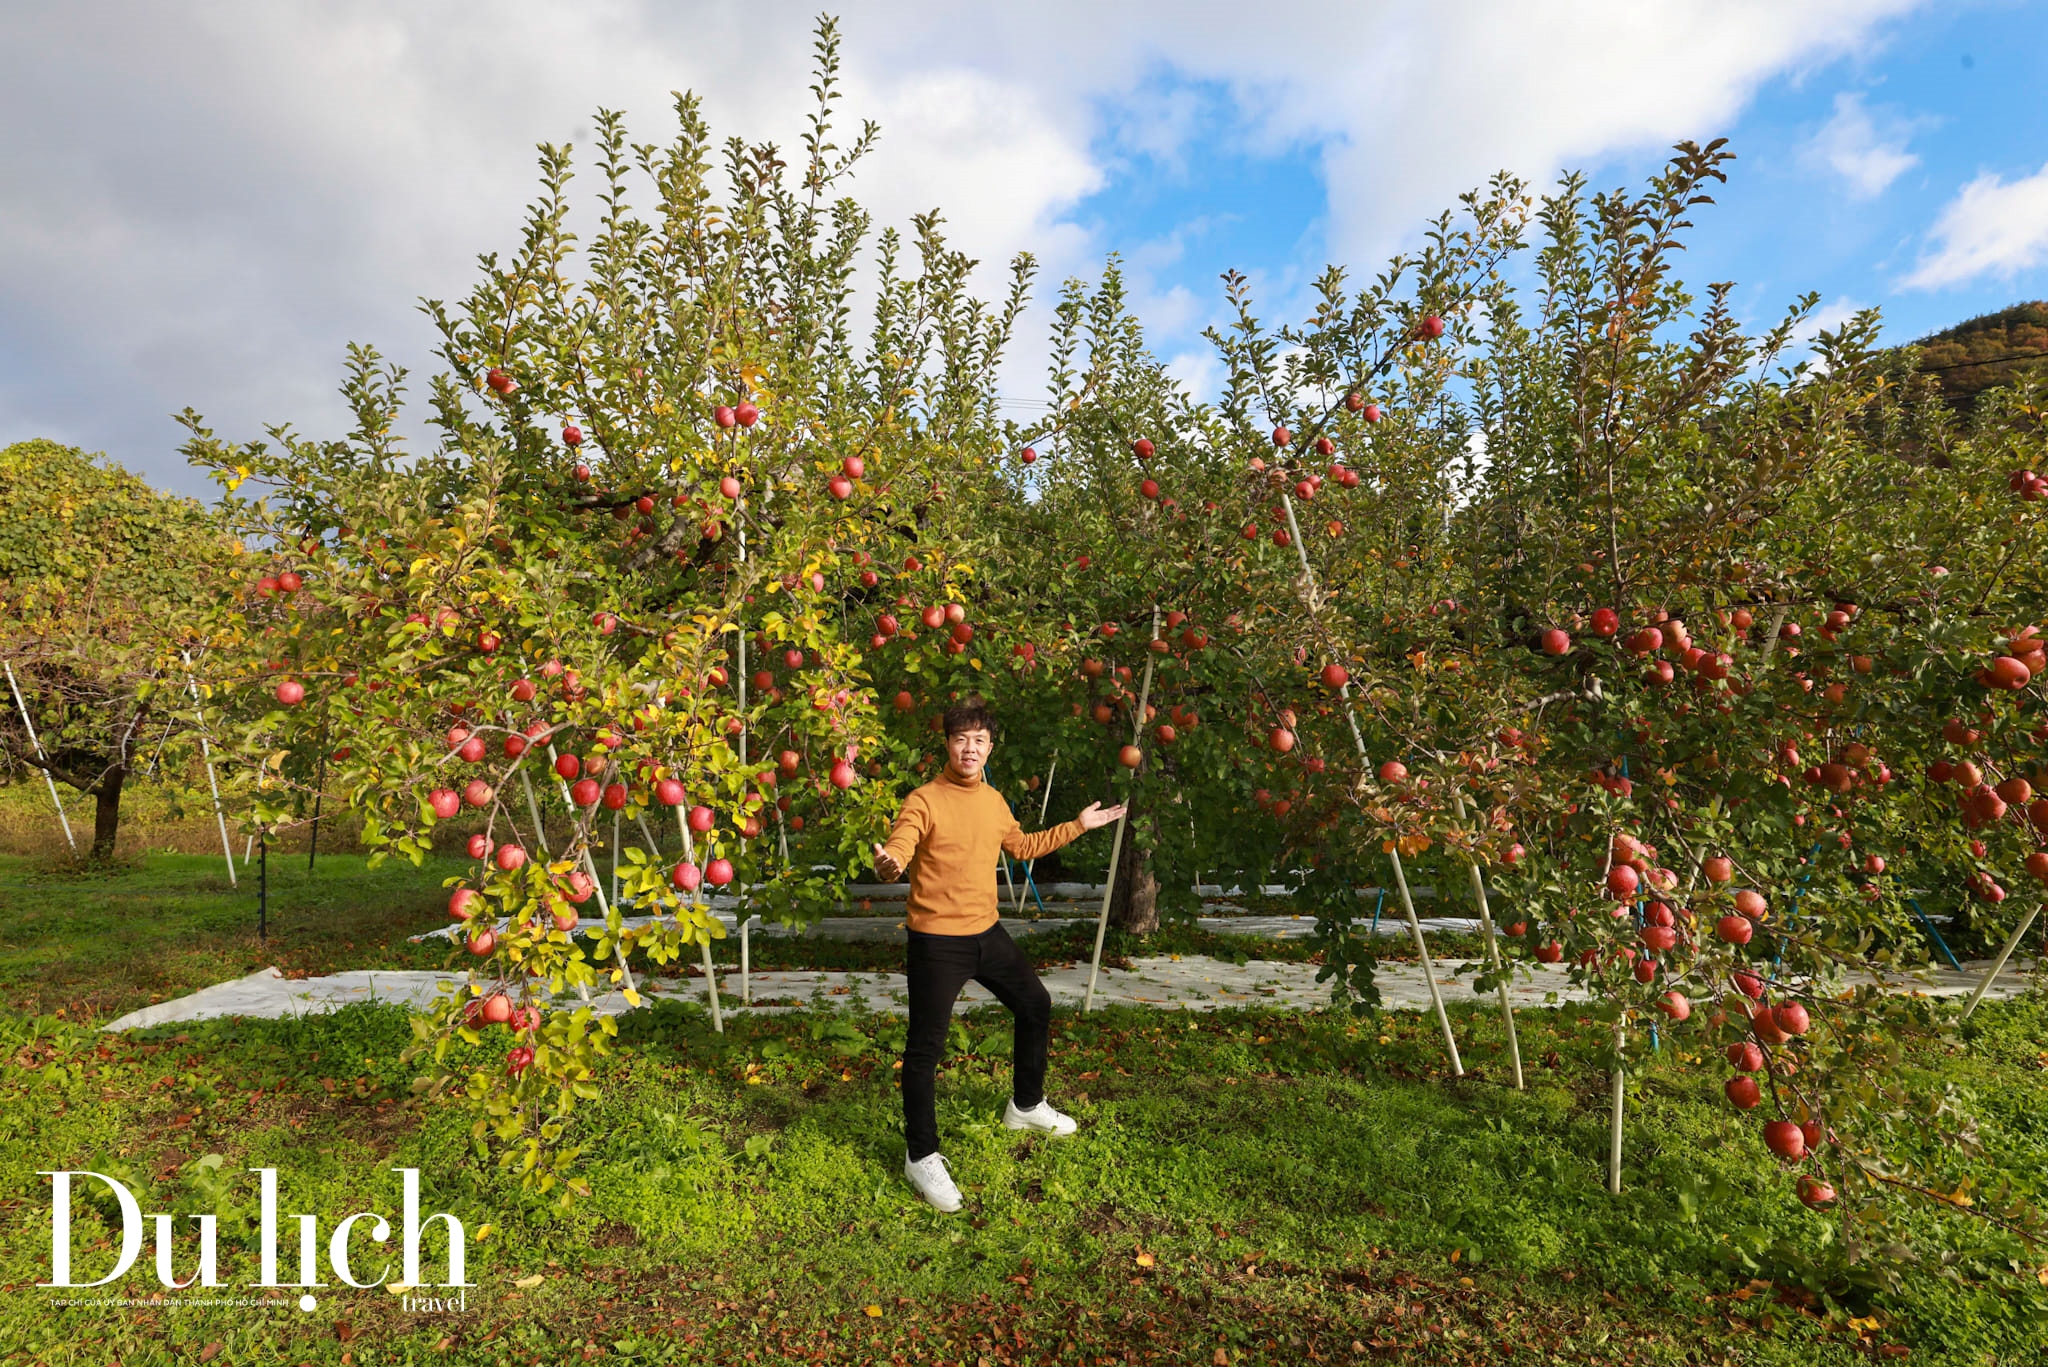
[
  {"x": 1116, "y": 847},
  {"x": 1493, "y": 959},
  {"x": 2011, "y": 943},
  {"x": 1308, "y": 580},
  {"x": 48, "y": 777},
  {"x": 227, "y": 848}
]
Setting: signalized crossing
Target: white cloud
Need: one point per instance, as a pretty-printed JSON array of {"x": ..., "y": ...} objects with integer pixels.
[
  {"x": 201, "y": 203},
  {"x": 1991, "y": 228},
  {"x": 1851, "y": 145}
]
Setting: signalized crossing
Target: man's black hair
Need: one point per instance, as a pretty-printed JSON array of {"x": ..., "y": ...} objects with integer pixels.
[{"x": 969, "y": 714}]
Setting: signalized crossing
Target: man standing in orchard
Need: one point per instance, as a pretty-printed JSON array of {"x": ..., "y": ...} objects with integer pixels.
[{"x": 947, "y": 835}]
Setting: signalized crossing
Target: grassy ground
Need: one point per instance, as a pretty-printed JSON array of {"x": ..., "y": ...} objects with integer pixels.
[{"x": 1248, "y": 1187}]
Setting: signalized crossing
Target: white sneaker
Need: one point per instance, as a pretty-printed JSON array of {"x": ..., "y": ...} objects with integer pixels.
[
  {"x": 1040, "y": 1117},
  {"x": 933, "y": 1182}
]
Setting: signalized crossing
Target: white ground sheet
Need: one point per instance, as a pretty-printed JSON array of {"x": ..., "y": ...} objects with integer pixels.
[{"x": 1194, "y": 983}]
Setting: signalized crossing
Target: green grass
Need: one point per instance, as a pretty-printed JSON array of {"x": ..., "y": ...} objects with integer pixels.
[{"x": 1298, "y": 1183}]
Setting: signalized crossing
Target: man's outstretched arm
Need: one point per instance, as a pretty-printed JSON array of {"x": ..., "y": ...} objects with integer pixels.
[
  {"x": 1019, "y": 844},
  {"x": 912, "y": 824}
]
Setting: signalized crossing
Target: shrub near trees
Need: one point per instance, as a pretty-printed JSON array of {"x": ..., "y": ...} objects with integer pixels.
[{"x": 1712, "y": 667}]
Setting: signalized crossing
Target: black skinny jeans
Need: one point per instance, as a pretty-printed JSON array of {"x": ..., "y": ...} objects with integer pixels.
[{"x": 939, "y": 966}]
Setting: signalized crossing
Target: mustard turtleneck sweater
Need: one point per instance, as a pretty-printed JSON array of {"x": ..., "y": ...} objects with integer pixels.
[{"x": 947, "y": 836}]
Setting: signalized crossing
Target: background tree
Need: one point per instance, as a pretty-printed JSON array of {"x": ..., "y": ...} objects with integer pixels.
[{"x": 102, "y": 581}]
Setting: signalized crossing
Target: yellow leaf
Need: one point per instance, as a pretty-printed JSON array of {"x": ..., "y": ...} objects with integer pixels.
[
  {"x": 483, "y": 1232},
  {"x": 632, "y": 996},
  {"x": 1145, "y": 1260},
  {"x": 874, "y": 1312},
  {"x": 528, "y": 1283}
]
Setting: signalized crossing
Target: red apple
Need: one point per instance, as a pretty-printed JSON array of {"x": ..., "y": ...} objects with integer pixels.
[
  {"x": 729, "y": 487},
  {"x": 1142, "y": 447},
  {"x": 1719, "y": 868},
  {"x": 1815, "y": 1193},
  {"x": 1281, "y": 436},
  {"x": 1029, "y": 455},
  {"x": 702, "y": 819},
  {"x": 483, "y": 942},
  {"x": 614, "y": 796},
  {"x": 510, "y": 857},
  {"x": 1130, "y": 757},
  {"x": 1736, "y": 930},
  {"x": 1393, "y": 771},
  {"x": 500, "y": 381},
  {"x": 746, "y": 415},
  {"x": 1430, "y": 328},
  {"x": 1675, "y": 1005},
  {"x": 839, "y": 486},
  {"x": 686, "y": 876},
  {"x": 842, "y": 774},
  {"x": 462, "y": 903},
  {"x": 718, "y": 872},
  {"x": 572, "y": 435},
  {"x": 1792, "y": 1018},
  {"x": 444, "y": 803},
  {"x": 1785, "y": 1139},
  {"x": 1622, "y": 882},
  {"x": 497, "y": 1008},
  {"x": 1281, "y": 739},
  {"x": 1335, "y": 676},
  {"x": 585, "y": 792},
  {"x": 723, "y": 416},
  {"x": 1746, "y": 1056},
  {"x": 1750, "y": 903},
  {"x": 291, "y": 692},
  {"x": 1556, "y": 641},
  {"x": 1743, "y": 1092}
]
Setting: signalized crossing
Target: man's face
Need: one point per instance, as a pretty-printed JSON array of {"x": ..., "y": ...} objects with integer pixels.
[{"x": 967, "y": 751}]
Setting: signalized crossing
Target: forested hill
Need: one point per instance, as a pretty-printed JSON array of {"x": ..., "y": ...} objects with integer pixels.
[{"x": 1989, "y": 350}]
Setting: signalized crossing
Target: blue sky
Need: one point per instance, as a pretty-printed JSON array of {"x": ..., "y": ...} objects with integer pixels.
[
  {"x": 1844, "y": 173},
  {"x": 202, "y": 203}
]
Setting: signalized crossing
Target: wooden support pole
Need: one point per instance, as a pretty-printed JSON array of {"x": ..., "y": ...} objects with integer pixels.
[
  {"x": 710, "y": 970},
  {"x": 2005, "y": 952},
  {"x": 48, "y": 777},
  {"x": 227, "y": 847},
  {"x": 1308, "y": 584},
  {"x": 1493, "y": 960},
  {"x": 1116, "y": 847}
]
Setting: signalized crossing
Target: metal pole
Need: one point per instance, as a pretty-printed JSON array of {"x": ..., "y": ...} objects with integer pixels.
[
  {"x": 227, "y": 848},
  {"x": 1400, "y": 875},
  {"x": 2011, "y": 943},
  {"x": 1493, "y": 959},
  {"x": 48, "y": 777},
  {"x": 263, "y": 892},
  {"x": 1116, "y": 847}
]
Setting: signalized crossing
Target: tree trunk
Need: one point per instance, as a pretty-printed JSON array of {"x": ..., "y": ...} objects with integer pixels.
[
  {"x": 106, "y": 816},
  {"x": 1134, "y": 905}
]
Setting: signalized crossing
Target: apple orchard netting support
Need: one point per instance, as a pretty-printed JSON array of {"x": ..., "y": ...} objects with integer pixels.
[
  {"x": 1436, "y": 996},
  {"x": 1116, "y": 847}
]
